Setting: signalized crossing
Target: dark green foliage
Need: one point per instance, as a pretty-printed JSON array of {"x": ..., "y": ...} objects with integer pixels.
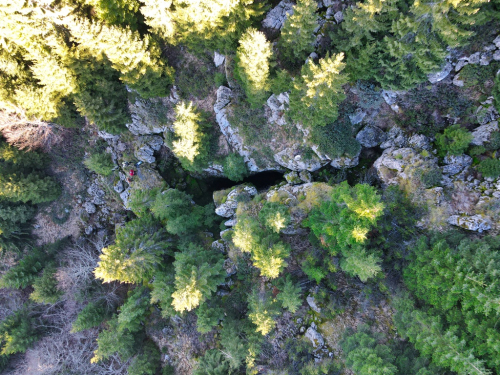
[
  {"x": 365, "y": 356},
  {"x": 489, "y": 168},
  {"x": 209, "y": 316},
  {"x": 475, "y": 75},
  {"x": 26, "y": 271},
  {"x": 136, "y": 254},
  {"x": 370, "y": 96},
  {"x": 17, "y": 332},
  {"x": 163, "y": 288},
  {"x": 121, "y": 12},
  {"x": 494, "y": 141},
  {"x": 234, "y": 342},
  {"x": 90, "y": 316},
  {"x": 282, "y": 82},
  {"x": 496, "y": 92},
  {"x": 336, "y": 139},
  {"x": 196, "y": 79},
  {"x": 134, "y": 311},
  {"x": 176, "y": 208},
  {"x": 459, "y": 280},
  {"x": 290, "y": 294},
  {"x": 100, "y": 163},
  {"x": 453, "y": 141},
  {"x": 147, "y": 362},
  {"x": 140, "y": 200},
  {"x": 234, "y": 167},
  {"x": 46, "y": 288},
  {"x": 275, "y": 216},
  {"x": 213, "y": 363},
  {"x": 431, "y": 177},
  {"x": 343, "y": 223},
  {"x": 100, "y": 96},
  {"x": 113, "y": 340}
]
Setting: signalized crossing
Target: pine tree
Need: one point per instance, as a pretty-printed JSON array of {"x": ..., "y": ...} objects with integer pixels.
[
  {"x": 213, "y": 363},
  {"x": 289, "y": 295},
  {"x": 275, "y": 216},
  {"x": 46, "y": 289},
  {"x": 163, "y": 287},
  {"x": 252, "y": 59},
  {"x": 114, "y": 340},
  {"x": 26, "y": 271},
  {"x": 262, "y": 311},
  {"x": 198, "y": 272},
  {"x": 90, "y": 316},
  {"x": 147, "y": 362},
  {"x": 208, "y": 316},
  {"x": 136, "y": 254},
  {"x": 134, "y": 311},
  {"x": 316, "y": 94},
  {"x": 17, "y": 332},
  {"x": 121, "y": 12},
  {"x": 297, "y": 35}
]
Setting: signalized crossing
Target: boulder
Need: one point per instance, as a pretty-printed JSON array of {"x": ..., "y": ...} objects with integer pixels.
[
  {"x": 345, "y": 162},
  {"x": 456, "y": 164},
  {"x": 457, "y": 81},
  {"x": 390, "y": 97},
  {"x": 339, "y": 17},
  {"x": 496, "y": 42},
  {"x": 395, "y": 138},
  {"x": 293, "y": 178},
  {"x": 291, "y": 158},
  {"x": 419, "y": 142},
  {"x": 89, "y": 207},
  {"x": 486, "y": 114},
  {"x": 371, "y": 136},
  {"x": 486, "y": 58},
  {"x": 218, "y": 59},
  {"x": 315, "y": 337},
  {"x": 460, "y": 65},
  {"x": 476, "y": 223},
  {"x": 275, "y": 19},
  {"x": 442, "y": 74},
  {"x": 482, "y": 134},
  {"x": 278, "y": 105},
  {"x": 119, "y": 187},
  {"x": 305, "y": 176},
  {"x": 312, "y": 304},
  {"x": 357, "y": 116},
  {"x": 96, "y": 194},
  {"x": 496, "y": 55},
  {"x": 146, "y": 146},
  {"x": 226, "y": 204},
  {"x": 125, "y": 195},
  {"x": 474, "y": 58}
]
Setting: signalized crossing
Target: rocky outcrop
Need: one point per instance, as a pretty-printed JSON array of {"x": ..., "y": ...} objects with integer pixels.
[
  {"x": 218, "y": 59},
  {"x": 482, "y": 134},
  {"x": 146, "y": 146},
  {"x": 345, "y": 162},
  {"x": 292, "y": 178},
  {"x": 476, "y": 223},
  {"x": 276, "y": 18},
  {"x": 395, "y": 138},
  {"x": 278, "y": 105},
  {"x": 226, "y": 201},
  {"x": 315, "y": 337},
  {"x": 442, "y": 74},
  {"x": 312, "y": 304},
  {"x": 357, "y": 116},
  {"x": 456, "y": 164},
  {"x": 292, "y": 159},
  {"x": 148, "y": 116},
  {"x": 371, "y": 136}
]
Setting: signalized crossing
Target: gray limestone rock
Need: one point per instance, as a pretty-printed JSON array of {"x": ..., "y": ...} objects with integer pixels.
[
  {"x": 442, "y": 74},
  {"x": 218, "y": 59},
  {"x": 345, "y": 162},
  {"x": 315, "y": 337},
  {"x": 460, "y": 65},
  {"x": 97, "y": 194},
  {"x": 119, "y": 187},
  {"x": 475, "y": 58},
  {"x": 293, "y": 178},
  {"x": 89, "y": 207},
  {"x": 457, "y": 81},
  {"x": 289, "y": 158},
  {"x": 371, "y": 136},
  {"x": 496, "y": 55},
  {"x": 420, "y": 142},
  {"x": 395, "y": 138},
  {"x": 339, "y": 17},
  {"x": 486, "y": 58},
  {"x": 497, "y": 41},
  {"x": 312, "y": 304},
  {"x": 305, "y": 176},
  {"x": 476, "y": 223},
  {"x": 357, "y": 116},
  {"x": 125, "y": 195},
  {"x": 482, "y": 134},
  {"x": 275, "y": 19},
  {"x": 456, "y": 164},
  {"x": 228, "y": 207}
]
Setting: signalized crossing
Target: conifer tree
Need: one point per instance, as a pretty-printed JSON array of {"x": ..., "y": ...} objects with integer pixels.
[
  {"x": 135, "y": 310},
  {"x": 262, "y": 311},
  {"x": 17, "y": 332},
  {"x": 289, "y": 295},
  {"x": 252, "y": 59},
  {"x": 116, "y": 12},
  {"x": 138, "y": 249},
  {"x": 163, "y": 287},
  {"x": 297, "y": 35},
  {"x": 198, "y": 272},
  {"x": 114, "y": 340},
  {"x": 46, "y": 289},
  {"x": 90, "y": 316},
  {"x": 316, "y": 94}
]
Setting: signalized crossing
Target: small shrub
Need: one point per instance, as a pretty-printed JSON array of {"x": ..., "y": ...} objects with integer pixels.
[
  {"x": 46, "y": 288},
  {"x": 489, "y": 168},
  {"x": 431, "y": 177},
  {"x": 453, "y": 141},
  {"x": 220, "y": 79},
  {"x": 235, "y": 168},
  {"x": 477, "y": 150},
  {"x": 100, "y": 163},
  {"x": 282, "y": 82},
  {"x": 494, "y": 143}
]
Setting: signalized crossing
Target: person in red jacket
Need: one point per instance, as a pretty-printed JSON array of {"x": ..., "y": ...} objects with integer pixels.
[{"x": 132, "y": 173}]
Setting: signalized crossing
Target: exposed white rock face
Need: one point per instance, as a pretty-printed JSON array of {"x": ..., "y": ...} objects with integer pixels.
[
  {"x": 457, "y": 81},
  {"x": 442, "y": 74},
  {"x": 486, "y": 58},
  {"x": 125, "y": 195},
  {"x": 228, "y": 208},
  {"x": 399, "y": 164},
  {"x": 218, "y": 59},
  {"x": 357, "y": 116},
  {"x": 119, "y": 187},
  {"x": 146, "y": 146},
  {"x": 483, "y": 133},
  {"x": 315, "y": 337},
  {"x": 486, "y": 114},
  {"x": 339, "y": 17},
  {"x": 476, "y": 223},
  {"x": 107, "y": 136},
  {"x": 345, "y": 162},
  {"x": 395, "y": 138},
  {"x": 278, "y": 105},
  {"x": 496, "y": 55},
  {"x": 474, "y": 58},
  {"x": 224, "y": 96},
  {"x": 420, "y": 142},
  {"x": 390, "y": 97},
  {"x": 456, "y": 164},
  {"x": 215, "y": 170},
  {"x": 312, "y": 304},
  {"x": 497, "y": 41},
  {"x": 96, "y": 194},
  {"x": 276, "y": 18},
  {"x": 460, "y": 65},
  {"x": 290, "y": 159},
  {"x": 371, "y": 136},
  {"x": 89, "y": 207},
  {"x": 305, "y": 176}
]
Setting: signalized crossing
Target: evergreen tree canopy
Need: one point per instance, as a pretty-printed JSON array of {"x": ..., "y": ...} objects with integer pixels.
[
  {"x": 316, "y": 94},
  {"x": 252, "y": 58},
  {"x": 138, "y": 249}
]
